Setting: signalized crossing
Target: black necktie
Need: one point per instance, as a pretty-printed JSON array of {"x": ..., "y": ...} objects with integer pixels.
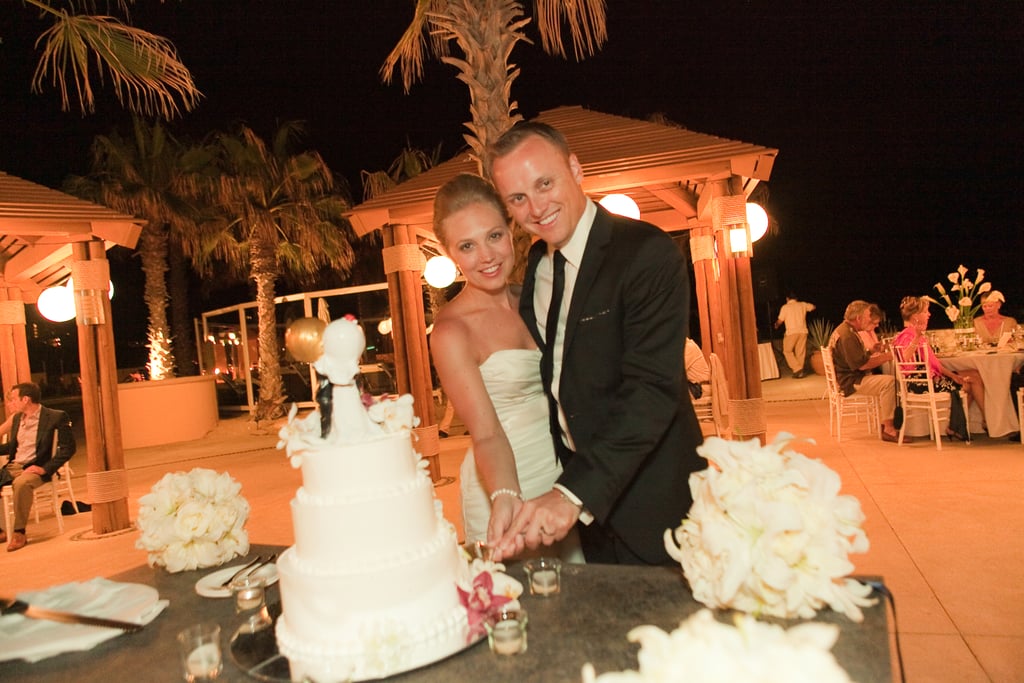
[
  {"x": 551, "y": 327},
  {"x": 547, "y": 361}
]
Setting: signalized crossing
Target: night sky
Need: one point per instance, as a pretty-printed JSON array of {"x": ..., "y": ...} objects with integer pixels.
[{"x": 899, "y": 125}]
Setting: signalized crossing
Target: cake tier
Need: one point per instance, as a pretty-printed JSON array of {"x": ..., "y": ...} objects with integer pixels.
[
  {"x": 368, "y": 527},
  {"x": 352, "y": 468},
  {"x": 387, "y": 649},
  {"x": 375, "y": 617}
]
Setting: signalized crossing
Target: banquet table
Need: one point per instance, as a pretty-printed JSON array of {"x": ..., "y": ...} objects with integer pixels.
[
  {"x": 587, "y": 622},
  {"x": 995, "y": 368}
]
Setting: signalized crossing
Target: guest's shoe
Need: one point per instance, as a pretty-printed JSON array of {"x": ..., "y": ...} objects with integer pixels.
[
  {"x": 799, "y": 374},
  {"x": 956, "y": 436},
  {"x": 443, "y": 434},
  {"x": 3, "y": 536},
  {"x": 895, "y": 438},
  {"x": 1014, "y": 437},
  {"x": 18, "y": 541}
]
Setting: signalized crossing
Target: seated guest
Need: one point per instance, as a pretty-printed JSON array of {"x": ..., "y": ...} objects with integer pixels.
[
  {"x": 698, "y": 371},
  {"x": 854, "y": 363},
  {"x": 912, "y": 341},
  {"x": 869, "y": 335},
  {"x": 991, "y": 325},
  {"x": 32, "y": 458}
]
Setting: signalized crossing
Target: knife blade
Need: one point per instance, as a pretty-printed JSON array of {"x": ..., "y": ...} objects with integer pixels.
[{"x": 12, "y": 606}]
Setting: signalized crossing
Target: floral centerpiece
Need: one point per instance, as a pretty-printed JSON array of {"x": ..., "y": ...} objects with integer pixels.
[
  {"x": 768, "y": 533},
  {"x": 193, "y": 520},
  {"x": 962, "y": 302},
  {"x": 704, "y": 650},
  {"x": 484, "y": 588}
]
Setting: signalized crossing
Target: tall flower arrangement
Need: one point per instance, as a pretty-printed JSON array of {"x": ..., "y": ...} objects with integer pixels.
[
  {"x": 962, "y": 301},
  {"x": 192, "y": 520},
  {"x": 769, "y": 534}
]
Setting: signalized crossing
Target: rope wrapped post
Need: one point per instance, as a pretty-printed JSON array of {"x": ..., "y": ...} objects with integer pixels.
[
  {"x": 100, "y": 410},
  {"x": 403, "y": 265},
  {"x": 748, "y": 418}
]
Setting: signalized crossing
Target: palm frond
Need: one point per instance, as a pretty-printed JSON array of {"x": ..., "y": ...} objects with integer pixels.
[{"x": 144, "y": 68}]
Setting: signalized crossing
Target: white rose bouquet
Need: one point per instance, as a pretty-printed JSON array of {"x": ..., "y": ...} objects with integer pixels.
[
  {"x": 768, "y": 533},
  {"x": 703, "y": 650},
  {"x": 193, "y": 520}
]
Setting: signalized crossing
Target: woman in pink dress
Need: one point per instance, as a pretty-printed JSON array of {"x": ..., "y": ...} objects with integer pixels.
[{"x": 912, "y": 341}]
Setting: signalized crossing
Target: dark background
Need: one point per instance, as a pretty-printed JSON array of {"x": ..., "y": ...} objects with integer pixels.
[{"x": 898, "y": 124}]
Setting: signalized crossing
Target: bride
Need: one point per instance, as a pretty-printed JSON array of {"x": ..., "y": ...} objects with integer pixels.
[{"x": 489, "y": 366}]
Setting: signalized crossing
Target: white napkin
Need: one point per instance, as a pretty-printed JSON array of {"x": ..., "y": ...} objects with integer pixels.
[{"x": 35, "y": 639}]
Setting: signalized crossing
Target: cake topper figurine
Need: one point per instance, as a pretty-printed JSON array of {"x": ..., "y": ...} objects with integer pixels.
[{"x": 334, "y": 351}]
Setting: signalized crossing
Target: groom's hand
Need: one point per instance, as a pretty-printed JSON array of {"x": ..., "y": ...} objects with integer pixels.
[{"x": 541, "y": 521}]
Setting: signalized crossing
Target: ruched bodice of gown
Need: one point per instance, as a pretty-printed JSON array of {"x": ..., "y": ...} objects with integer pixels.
[{"x": 512, "y": 378}]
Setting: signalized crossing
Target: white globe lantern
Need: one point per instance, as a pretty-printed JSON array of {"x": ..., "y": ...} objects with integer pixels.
[
  {"x": 439, "y": 272},
  {"x": 384, "y": 326},
  {"x": 57, "y": 304},
  {"x": 757, "y": 219},
  {"x": 621, "y": 204}
]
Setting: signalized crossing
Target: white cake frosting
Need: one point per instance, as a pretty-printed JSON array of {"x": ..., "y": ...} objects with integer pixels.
[{"x": 369, "y": 588}]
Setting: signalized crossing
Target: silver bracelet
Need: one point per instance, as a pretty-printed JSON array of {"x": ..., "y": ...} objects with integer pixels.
[{"x": 505, "y": 492}]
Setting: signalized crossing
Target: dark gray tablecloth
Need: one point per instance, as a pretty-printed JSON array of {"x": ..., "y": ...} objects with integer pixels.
[{"x": 587, "y": 622}]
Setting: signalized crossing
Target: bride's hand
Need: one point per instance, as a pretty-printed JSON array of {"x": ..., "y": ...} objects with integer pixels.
[{"x": 503, "y": 511}]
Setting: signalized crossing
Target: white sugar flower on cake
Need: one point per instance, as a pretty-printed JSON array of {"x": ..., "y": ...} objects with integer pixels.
[
  {"x": 769, "y": 534},
  {"x": 393, "y": 414},
  {"x": 704, "y": 650}
]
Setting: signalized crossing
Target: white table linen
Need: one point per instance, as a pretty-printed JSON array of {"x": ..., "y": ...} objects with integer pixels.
[{"x": 995, "y": 368}]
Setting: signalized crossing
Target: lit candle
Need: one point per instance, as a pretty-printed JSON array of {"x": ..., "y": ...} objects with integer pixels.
[
  {"x": 507, "y": 637},
  {"x": 204, "y": 661},
  {"x": 249, "y": 598},
  {"x": 544, "y": 582}
]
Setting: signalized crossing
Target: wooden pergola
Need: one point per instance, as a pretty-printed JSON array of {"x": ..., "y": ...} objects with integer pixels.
[
  {"x": 683, "y": 181},
  {"x": 45, "y": 237}
]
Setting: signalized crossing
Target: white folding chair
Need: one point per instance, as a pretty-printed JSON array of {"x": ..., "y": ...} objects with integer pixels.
[
  {"x": 710, "y": 407},
  {"x": 917, "y": 393},
  {"x": 49, "y": 493},
  {"x": 859, "y": 406}
]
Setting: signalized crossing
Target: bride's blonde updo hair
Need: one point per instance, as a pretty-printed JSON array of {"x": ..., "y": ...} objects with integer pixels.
[
  {"x": 458, "y": 193},
  {"x": 912, "y": 305}
]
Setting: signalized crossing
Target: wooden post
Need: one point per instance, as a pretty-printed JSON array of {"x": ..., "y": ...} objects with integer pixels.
[
  {"x": 106, "y": 477},
  {"x": 403, "y": 264},
  {"x": 14, "y": 365}
]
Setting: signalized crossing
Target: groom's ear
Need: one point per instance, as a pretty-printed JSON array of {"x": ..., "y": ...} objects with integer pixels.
[{"x": 577, "y": 170}]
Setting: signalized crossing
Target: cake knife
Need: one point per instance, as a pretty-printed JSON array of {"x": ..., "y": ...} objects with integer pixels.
[{"x": 12, "y": 606}]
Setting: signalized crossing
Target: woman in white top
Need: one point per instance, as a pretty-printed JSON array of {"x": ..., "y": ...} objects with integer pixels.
[{"x": 991, "y": 325}]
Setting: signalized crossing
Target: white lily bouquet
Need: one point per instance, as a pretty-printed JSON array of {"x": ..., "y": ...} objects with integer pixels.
[
  {"x": 704, "y": 650},
  {"x": 193, "y": 520},
  {"x": 769, "y": 534},
  {"x": 963, "y": 300}
]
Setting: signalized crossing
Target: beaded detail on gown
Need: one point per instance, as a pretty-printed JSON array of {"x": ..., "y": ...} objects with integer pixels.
[{"x": 512, "y": 378}]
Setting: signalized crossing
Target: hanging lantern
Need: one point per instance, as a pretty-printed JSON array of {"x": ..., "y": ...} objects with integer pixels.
[
  {"x": 439, "y": 272},
  {"x": 621, "y": 204},
  {"x": 57, "y": 304}
]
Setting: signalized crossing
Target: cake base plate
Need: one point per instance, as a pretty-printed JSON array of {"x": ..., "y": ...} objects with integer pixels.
[{"x": 256, "y": 654}]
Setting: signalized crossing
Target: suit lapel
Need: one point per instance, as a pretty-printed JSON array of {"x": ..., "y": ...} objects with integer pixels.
[
  {"x": 590, "y": 266},
  {"x": 526, "y": 306}
]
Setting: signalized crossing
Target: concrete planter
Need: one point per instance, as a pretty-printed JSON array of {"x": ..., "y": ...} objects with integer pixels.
[{"x": 167, "y": 411}]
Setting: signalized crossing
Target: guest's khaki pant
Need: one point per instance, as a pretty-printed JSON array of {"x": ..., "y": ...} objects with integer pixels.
[
  {"x": 794, "y": 350},
  {"x": 24, "y": 485},
  {"x": 882, "y": 386}
]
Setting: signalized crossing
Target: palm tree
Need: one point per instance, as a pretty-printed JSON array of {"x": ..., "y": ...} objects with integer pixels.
[
  {"x": 144, "y": 68},
  {"x": 141, "y": 176},
  {"x": 281, "y": 214},
  {"x": 486, "y": 32}
]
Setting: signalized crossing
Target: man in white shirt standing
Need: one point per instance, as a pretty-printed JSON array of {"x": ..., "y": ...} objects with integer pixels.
[{"x": 794, "y": 343}]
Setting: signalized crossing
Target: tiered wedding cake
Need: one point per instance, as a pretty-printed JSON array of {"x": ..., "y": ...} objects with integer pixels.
[{"x": 369, "y": 588}]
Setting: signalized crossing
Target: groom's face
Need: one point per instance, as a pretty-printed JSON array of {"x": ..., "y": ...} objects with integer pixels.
[{"x": 542, "y": 189}]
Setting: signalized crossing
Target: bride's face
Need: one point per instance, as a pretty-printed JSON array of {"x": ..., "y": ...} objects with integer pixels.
[{"x": 479, "y": 241}]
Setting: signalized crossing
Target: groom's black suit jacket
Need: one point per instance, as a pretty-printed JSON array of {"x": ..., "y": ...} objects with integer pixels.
[{"x": 623, "y": 387}]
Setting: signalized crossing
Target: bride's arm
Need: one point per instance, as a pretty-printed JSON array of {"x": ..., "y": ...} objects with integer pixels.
[{"x": 457, "y": 365}]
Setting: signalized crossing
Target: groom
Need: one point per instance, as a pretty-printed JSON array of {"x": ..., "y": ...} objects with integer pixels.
[{"x": 625, "y": 431}]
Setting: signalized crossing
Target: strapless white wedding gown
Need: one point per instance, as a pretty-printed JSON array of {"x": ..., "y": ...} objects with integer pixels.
[{"x": 512, "y": 378}]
